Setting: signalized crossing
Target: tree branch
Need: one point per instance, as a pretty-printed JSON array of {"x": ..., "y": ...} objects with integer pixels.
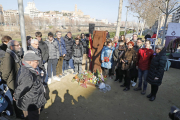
[
  {"x": 174, "y": 10},
  {"x": 173, "y": 6},
  {"x": 162, "y": 10}
]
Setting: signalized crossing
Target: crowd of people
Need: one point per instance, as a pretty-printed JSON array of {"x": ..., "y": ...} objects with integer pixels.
[
  {"x": 27, "y": 74},
  {"x": 130, "y": 60}
]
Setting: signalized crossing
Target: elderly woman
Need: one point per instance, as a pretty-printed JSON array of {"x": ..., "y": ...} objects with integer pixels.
[
  {"x": 106, "y": 58},
  {"x": 128, "y": 61},
  {"x": 156, "y": 71},
  {"x": 126, "y": 41}
]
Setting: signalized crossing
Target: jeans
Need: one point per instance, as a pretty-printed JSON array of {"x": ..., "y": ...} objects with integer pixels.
[
  {"x": 71, "y": 63},
  {"x": 52, "y": 63},
  {"x": 65, "y": 65},
  {"x": 142, "y": 73}
]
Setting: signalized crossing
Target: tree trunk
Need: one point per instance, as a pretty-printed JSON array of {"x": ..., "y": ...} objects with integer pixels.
[
  {"x": 119, "y": 18},
  {"x": 167, "y": 14},
  {"x": 143, "y": 27}
]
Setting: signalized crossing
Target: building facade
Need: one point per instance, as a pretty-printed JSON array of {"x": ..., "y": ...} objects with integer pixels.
[
  {"x": 176, "y": 16},
  {"x": 31, "y": 10}
]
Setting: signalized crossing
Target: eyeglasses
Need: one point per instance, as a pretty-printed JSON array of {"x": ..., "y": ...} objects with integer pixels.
[{"x": 16, "y": 45}]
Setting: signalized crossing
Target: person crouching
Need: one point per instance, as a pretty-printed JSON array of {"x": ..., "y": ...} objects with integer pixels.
[
  {"x": 29, "y": 90},
  {"x": 77, "y": 56}
]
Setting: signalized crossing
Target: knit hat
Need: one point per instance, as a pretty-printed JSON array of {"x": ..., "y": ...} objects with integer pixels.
[{"x": 31, "y": 56}]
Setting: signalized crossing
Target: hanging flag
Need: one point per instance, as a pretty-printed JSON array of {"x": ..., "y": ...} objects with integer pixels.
[{"x": 90, "y": 51}]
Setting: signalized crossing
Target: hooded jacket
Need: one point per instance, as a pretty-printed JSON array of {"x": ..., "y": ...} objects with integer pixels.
[
  {"x": 156, "y": 69},
  {"x": 53, "y": 49},
  {"x": 145, "y": 56},
  {"x": 69, "y": 42},
  {"x": 29, "y": 90}
]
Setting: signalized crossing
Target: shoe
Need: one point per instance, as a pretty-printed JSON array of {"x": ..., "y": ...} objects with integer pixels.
[
  {"x": 20, "y": 117},
  {"x": 149, "y": 96},
  {"x": 137, "y": 89},
  {"x": 122, "y": 85},
  {"x": 126, "y": 89},
  {"x": 56, "y": 78},
  {"x": 152, "y": 98},
  {"x": 49, "y": 81},
  {"x": 60, "y": 76},
  {"x": 143, "y": 92},
  {"x": 75, "y": 73},
  {"x": 133, "y": 84},
  {"x": 116, "y": 80}
]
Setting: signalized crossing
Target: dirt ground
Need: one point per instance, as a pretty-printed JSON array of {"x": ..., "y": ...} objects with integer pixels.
[{"x": 69, "y": 101}]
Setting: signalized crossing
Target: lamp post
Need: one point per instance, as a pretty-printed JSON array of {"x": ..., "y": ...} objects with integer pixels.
[
  {"x": 22, "y": 26},
  {"x": 119, "y": 18},
  {"x": 126, "y": 19}
]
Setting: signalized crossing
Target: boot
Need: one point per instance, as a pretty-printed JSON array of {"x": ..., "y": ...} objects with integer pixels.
[
  {"x": 149, "y": 96},
  {"x": 152, "y": 98}
]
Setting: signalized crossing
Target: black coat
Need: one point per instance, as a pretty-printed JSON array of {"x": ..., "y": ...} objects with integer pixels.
[
  {"x": 44, "y": 49},
  {"x": 69, "y": 47},
  {"x": 157, "y": 68},
  {"x": 3, "y": 47},
  {"x": 147, "y": 36},
  {"x": 29, "y": 90}
]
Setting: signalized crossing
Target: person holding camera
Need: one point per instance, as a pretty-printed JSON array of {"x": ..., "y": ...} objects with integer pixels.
[
  {"x": 156, "y": 71},
  {"x": 106, "y": 58},
  {"x": 128, "y": 61}
]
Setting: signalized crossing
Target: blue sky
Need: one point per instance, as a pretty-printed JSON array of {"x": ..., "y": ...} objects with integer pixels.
[{"x": 99, "y": 9}]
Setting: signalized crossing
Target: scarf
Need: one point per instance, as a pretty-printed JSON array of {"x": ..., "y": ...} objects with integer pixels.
[{"x": 14, "y": 55}]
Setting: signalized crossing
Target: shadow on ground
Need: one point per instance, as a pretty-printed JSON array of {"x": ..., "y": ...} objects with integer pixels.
[{"x": 69, "y": 101}]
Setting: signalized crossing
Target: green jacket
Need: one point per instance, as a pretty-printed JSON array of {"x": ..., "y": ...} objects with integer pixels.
[{"x": 9, "y": 69}]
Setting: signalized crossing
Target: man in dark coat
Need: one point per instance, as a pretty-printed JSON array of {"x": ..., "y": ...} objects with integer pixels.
[
  {"x": 69, "y": 45},
  {"x": 29, "y": 90},
  {"x": 77, "y": 56},
  {"x": 43, "y": 46},
  {"x": 156, "y": 71},
  {"x": 10, "y": 65},
  {"x": 5, "y": 41},
  {"x": 147, "y": 36}
]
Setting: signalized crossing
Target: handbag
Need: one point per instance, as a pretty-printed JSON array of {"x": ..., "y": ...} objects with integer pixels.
[{"x": 106, "y": 59}]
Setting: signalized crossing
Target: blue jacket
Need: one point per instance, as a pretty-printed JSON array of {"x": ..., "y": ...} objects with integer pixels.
[
  {"x": 62, "y": 46},
  {"x": 106, "y": 51}
]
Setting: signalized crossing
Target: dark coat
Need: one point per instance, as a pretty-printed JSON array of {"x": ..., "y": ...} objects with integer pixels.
[
  {"x": 85, "y": 44},
  {"x": 117, "y": 59},
  {"x": 131, "y": 57},
  {"x": 9, "y": 69},
  {"x": 147, "y": 36},
  {"x": 77, "y": 50},
  {"x": 45, "y": 51},
  {"x": 29, "y": 90},
  {"x": 156, "y": 69},
  {"x": 136, "y": 48},
  {"x": 3, "y": 47},
  {"x": 69, "y": 42}
]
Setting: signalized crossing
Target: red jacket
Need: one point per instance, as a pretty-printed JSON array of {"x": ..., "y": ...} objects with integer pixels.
[
  {"x": 154, "y": 36},
  {"x": 144, "y": 58}
]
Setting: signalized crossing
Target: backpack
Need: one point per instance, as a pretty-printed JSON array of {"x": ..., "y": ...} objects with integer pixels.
[{"x": 168, "y": 64}]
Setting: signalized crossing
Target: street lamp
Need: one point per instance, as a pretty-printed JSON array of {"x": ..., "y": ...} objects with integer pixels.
[{"x": 126, "y": 19}]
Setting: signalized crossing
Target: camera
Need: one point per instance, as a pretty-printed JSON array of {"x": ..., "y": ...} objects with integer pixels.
[
  {"x": 126, "y": 62},
  {"x": 174, "y": 114}
]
